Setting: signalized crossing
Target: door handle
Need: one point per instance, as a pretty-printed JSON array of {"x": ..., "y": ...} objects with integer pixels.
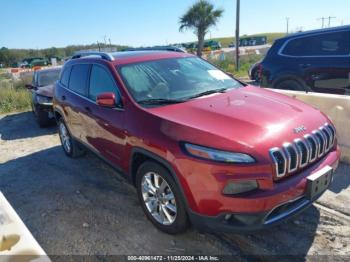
[
  {"x": 88, "y": 109},
  {"x": 305, "y": 65},
  {"x": 63, "y": 98}
]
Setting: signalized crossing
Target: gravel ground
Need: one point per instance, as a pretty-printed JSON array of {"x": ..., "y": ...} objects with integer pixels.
[{"x": 83, "y": 207}]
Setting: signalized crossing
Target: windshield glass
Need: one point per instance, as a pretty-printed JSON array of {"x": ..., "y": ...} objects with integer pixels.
[
  {"x": 46, "y": 78},
  {"x": 174, "y": 79}
]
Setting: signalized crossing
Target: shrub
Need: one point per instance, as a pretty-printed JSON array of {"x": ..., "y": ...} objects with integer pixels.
[{"x": 13, "y": 96}]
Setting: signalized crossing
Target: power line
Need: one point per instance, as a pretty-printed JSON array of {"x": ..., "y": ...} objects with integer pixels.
[{"x": 323, "y": 19}]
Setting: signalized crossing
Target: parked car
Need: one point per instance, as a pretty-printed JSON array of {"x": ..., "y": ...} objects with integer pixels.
[
  {"x": 212, "y": 45},
  {"x": 42, "y": 93},
  {"x": 315, "y": 61},
  {"x": 199, "y": 146},
  {"x": 33, "y": 61}
]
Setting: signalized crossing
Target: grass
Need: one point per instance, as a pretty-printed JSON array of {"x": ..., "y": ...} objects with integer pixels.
[
  {"x": 228, "y": 64},
  {"x": 13, "y": 95},
  {"x": 271, "y": 37}
]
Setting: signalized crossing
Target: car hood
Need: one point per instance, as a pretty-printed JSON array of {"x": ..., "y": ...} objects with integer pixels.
[
  {"x": 45, "y": 91},
  {"x": 248, "y": 119}
]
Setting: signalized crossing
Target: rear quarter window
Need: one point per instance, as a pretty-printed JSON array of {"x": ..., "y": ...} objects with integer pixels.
[{"x": 78, "y": 79}]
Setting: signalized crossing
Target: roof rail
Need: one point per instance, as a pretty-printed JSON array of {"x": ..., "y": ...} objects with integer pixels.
[
  {"x": 103, "y": 55},
  {"x": 157, "y": 48}
]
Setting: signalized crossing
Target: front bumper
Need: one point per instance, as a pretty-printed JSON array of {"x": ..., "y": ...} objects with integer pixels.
[
  {"x": 264, "y": 209},
  {"x": 250, "y": 222}
]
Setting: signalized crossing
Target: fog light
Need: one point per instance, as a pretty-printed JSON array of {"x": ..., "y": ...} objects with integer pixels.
[{"x": 238, "y": 187}]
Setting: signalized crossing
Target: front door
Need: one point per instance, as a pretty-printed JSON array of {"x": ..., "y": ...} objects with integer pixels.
[{"x": 104, "y": 126}]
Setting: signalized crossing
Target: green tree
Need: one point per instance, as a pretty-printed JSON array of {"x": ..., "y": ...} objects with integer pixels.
[{"x": 200, "y": 17}]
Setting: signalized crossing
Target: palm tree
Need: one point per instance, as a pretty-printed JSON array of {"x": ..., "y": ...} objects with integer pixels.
[{"x": 200, "y": 17}]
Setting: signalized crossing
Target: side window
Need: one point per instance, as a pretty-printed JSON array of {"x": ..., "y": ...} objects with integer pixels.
[
  {"x": 306, "y": 46},
  {"x": 331, "y": 44},
  {"x": 65, "y": 76},
  {"x": 78, "y": 79},
  {"x": 101, "y": 81}
]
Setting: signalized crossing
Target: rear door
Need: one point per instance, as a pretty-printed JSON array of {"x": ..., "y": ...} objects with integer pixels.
[
  {"x": 332, "y": 73},
  {"x": 74, "y": 99},
  {"x": 104, "y": 126}
]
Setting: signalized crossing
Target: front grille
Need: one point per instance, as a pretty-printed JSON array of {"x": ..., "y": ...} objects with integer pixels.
[
  {"x": 312, "y": 146},
  {"x": 303, "y": 152},
  {"x": 280, "y": 161},
  {"x": 292, "y": 157},
  {"x": 321, "y": 142}
]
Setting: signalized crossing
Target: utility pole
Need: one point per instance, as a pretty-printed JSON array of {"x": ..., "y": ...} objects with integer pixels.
[
  {"x": 322, "y": 19},
  {"x": 237, "y": 34},
  {"x": 329, "y": 20},
  {"x": 287, "y": 20}
]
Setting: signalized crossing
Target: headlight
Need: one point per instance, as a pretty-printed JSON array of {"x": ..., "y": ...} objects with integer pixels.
[
  {"x": 217, "y": 155},
  {"x": 43, "y": 100}
]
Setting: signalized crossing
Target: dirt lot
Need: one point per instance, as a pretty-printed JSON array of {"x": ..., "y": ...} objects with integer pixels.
[{"x": 82, "y": 206}]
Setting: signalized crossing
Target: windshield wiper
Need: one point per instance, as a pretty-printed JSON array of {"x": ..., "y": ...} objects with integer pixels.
[
  {"x": 160, "y": 101},
  {"x": 209, "y": 92}
]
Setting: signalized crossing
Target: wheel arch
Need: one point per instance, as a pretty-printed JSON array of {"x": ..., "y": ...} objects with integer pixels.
[
  {"x": 289, "y": 76},
  {"x": 58, "y": 114},
  {"x": 140, "y": 155}
]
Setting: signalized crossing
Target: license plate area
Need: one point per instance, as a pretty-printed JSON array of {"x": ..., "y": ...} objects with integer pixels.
[{"x": 318, "y": 182}]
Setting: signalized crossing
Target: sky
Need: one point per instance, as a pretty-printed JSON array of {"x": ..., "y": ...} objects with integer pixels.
[{"x": 48, "y": 23}]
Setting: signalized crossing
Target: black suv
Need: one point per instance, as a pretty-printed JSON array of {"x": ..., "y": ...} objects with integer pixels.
[
  {"x": 42, "y": 93},
  {"x": 315, "y": 61}
]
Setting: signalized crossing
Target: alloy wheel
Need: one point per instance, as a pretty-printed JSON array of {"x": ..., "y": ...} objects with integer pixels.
[
  {"x": 65, "y": 138},
  {"x": 159, "y": 198}
]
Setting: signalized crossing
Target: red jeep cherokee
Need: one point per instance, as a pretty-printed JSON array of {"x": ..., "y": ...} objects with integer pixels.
[{"x": 199, "y": 146}]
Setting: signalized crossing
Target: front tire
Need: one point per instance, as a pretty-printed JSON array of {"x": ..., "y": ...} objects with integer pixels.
[
  {"x": 70, "y": 147},
  {"x": 160, "y": 198}
]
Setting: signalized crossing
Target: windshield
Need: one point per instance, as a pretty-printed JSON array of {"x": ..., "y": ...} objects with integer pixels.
[
  {"x": 175, "y": 79},
  {"x": 46, "y": 78}
]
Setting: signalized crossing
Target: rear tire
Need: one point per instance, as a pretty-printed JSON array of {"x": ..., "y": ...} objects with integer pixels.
[
  {"x": 160, "y": 198},
  {"x": 290, "y": 84},
  {"x": 70, "y": 147}
]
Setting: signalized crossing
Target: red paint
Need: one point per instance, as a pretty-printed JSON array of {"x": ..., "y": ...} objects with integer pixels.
[{"x": 248, "y": 120}]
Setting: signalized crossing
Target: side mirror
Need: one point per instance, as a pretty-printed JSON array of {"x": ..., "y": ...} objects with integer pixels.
[
  {"x": 29, "y": 86},
  {"x": 107, "y": 100}
]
